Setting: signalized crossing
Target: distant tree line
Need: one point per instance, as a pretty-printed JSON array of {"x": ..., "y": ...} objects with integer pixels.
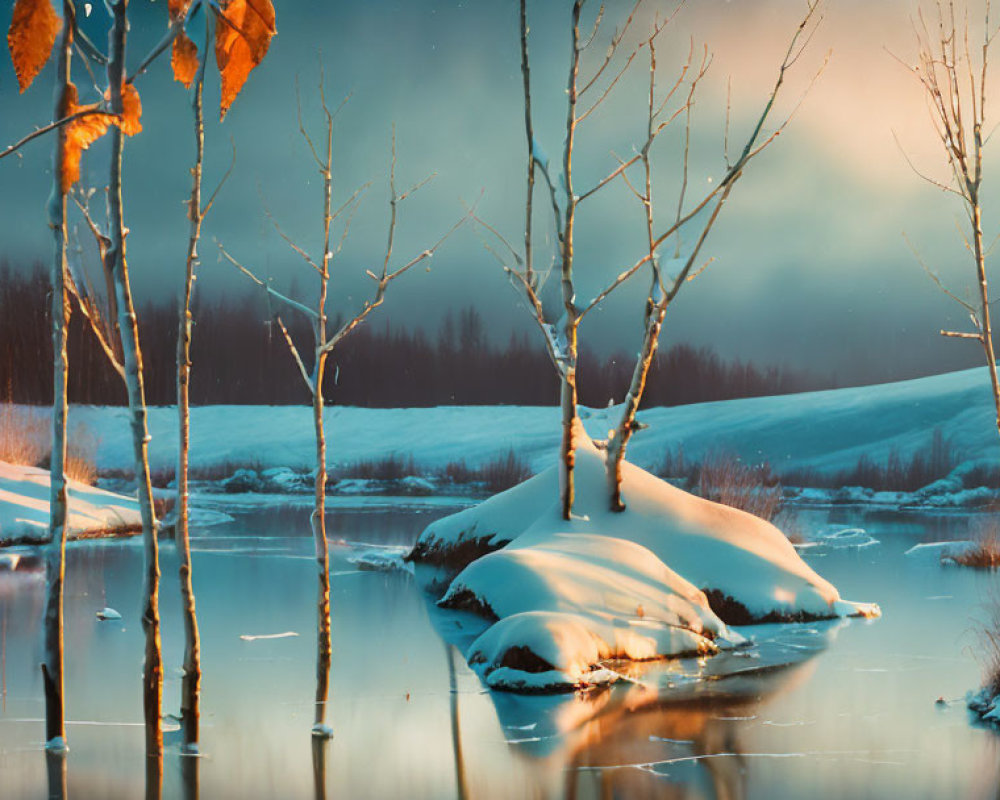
[{"x": 245, "y": 361}]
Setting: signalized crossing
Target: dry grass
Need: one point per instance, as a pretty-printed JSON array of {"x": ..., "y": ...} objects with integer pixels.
[
  {"x": 988, "y": 632},
  {"x": 984, "y": 552},
  {"x": 81, "y": 455},
  {"x": 24, "y": 439},
  {"x": 24, "y": 435},
  {"x": 498, "y": 474},
  {"x": 754, "y": 488},
  {"x": 935, "y": 460}
]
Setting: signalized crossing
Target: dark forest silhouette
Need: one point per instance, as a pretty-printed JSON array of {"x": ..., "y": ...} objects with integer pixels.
[{"x": 240, "y": 358}]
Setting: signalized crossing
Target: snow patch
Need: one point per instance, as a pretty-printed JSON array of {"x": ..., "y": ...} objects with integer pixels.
[
  {"x": 938, "y": 550},
  {"x": 381, "y": 559},
  {"x": 24, "y": 507},
  {"x": 247, "y": 637},
  {"x": 321, "y": 731}
]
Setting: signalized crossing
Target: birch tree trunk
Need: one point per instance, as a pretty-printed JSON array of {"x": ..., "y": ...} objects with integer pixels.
[
  {"x": 984, "y": 296},
  {"x": 191, "y": 683},
  {"x": 627, "y": 425},
  {"x": 55, "y": 562},
  {"x": 655, "y": 314},
  {"x": 324, "y": 645},
  {"x": 567, "y": 393},
  {"x": 152, "y": 673}
]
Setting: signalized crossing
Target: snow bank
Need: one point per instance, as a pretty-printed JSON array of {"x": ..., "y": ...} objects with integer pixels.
[
  {"x": 24, "y": 507},
  {"x": 824, "y": 430},
  {"x": 645, "y": 583},
  {"x": 985, "y": 705}
]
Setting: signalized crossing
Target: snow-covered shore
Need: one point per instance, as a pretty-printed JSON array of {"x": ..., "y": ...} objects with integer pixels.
[
  {"x": 24, "y": 508},
  {"x": 827, "y": 431}
]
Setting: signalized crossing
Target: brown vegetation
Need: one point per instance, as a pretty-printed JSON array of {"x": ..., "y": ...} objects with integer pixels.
[
  {"x": 24, "y": 439},
  {"x": 983, "y": 553},
  {"x": 498, "y": 474},
  {"x": 935, "y": 461},
  {"x": 724, "y": 478}
]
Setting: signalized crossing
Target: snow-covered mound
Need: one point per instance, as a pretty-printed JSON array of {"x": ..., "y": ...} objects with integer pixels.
[
  {"x": 24, "y": 507},
  {"x": 570, "y": 594},
  {"x": 566, "y": 602}
]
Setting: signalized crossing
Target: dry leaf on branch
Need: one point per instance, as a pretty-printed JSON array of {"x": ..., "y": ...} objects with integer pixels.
[
  {"x": 130, "y": 123},
  {"x": 184, "y": 60},
  {"x": 33, "y": 30},
  {"x": 79, "y": 135},
  {"x": 243, "y": 34}
]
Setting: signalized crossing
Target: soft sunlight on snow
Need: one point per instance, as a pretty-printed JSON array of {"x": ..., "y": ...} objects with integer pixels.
[
  {"x": 24, "y": 507},
  {"x": 608, "y": 585}
]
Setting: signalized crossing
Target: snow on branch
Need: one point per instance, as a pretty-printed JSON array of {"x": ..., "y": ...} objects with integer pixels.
[{"x": 266, "y": 286}]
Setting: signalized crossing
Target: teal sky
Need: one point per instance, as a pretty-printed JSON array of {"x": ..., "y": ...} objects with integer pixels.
[{"x": 811, "y": 266}]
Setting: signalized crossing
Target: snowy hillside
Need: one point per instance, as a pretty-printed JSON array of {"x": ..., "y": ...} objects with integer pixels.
[{"x": 829, "y": 430}]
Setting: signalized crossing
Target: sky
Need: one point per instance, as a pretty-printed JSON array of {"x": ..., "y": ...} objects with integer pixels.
[{"x": 811, "y": 269}]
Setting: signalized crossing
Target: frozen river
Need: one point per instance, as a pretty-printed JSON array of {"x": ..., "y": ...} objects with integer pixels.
[{"x": 840, "y": 709}]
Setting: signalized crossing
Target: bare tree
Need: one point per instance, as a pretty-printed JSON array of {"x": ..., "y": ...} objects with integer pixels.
[
  {"x": 189, "y": 64},
  {"x": 34, "y": 29},
  {"x": 690, "y": 228},
  {"x": 560, "y": 328},
  {"x": 242, "y": 36},
  {"x": 585, "y": 96},
  {"x": 325, "y": 341},
  {"x": 52, "y": 666},
  {"x": 954, "y": 83},
  {"x": 240, "y": 45}
]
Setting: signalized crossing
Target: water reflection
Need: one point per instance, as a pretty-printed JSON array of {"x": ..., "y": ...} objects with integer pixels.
[
  {"x": 319, "y": 748},
  {"x": 55, "y": 767},
  {"x": 154, "y": 768},
  {"x": 190, "y": 765},
  {"x": 456, "y": 725}
]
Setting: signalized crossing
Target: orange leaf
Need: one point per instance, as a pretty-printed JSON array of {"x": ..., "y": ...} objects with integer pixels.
[
  {"x": 184, "y": 60},
  {"x": 177, "y": 8},
  {"x": 33, "y": 30},
  {"x": 130, "y": 122},
  {"x": 131, "y": 111},
  {"x": 242, "y": 35},
  {"x": 79, "y": 135}
]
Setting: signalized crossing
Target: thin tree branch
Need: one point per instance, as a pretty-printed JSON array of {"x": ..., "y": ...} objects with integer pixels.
[
  {"x": 937, "y": 281},
  {"x": 959, "y": 335},
  {"x": 89, "y": 112},
  {"x": 221, "y": 183},
  {"x": 295, "y": 353},
  {"x": 612, "y": 49},
  {"x": 267, "y": 287},
  {"x": 173, "y": 31}
]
